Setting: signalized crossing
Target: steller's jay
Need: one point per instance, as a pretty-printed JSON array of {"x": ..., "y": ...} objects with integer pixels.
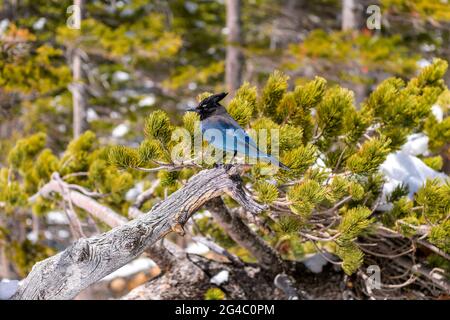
[{"x": 232, "y": 138}]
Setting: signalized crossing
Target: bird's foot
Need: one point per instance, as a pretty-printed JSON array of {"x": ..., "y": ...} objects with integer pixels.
[{"x": 226, "y": 166}]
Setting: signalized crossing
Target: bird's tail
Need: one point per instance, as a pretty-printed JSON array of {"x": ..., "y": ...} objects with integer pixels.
[
  {"x": 277, "y": 162},
  {"x": 283, "y": 166}
]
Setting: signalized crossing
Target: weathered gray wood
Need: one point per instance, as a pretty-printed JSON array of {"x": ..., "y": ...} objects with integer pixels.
[{"x": 88, "y": 260}]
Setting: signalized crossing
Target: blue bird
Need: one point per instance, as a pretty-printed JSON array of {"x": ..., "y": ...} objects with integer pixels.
[{"x": 224, "y": 133}]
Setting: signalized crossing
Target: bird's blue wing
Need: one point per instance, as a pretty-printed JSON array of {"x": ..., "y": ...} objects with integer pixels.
[{"x": 224, "y": 132}]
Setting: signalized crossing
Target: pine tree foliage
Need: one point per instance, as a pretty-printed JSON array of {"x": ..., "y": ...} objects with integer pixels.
[{"x": 333, "y": 148}]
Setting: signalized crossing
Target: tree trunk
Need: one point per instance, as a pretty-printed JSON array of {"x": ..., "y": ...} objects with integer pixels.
[
  {"x": 234, "y": 56},
  {"x": 78, "y": 98}
]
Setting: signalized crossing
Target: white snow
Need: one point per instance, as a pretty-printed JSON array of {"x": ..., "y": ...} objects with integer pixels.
[
  {"x": 4, "y": 25},
  {"x": 149, "y": 83},
  {"x": 437, "y": 112},
  {"x": 39, "y": 24},
  {"x": 192, "y": 86},
  {"x": 132, "y": 194},
  {"x": 57, "y": 217},
  {"x": 196, "y": 248},
  {"x": 121, "y": 130},
  {"x": 127, "y": 12},
  {"x": 32, "y": 236},
  {"x": 417, "y": 144},
  {"x": 48, "y": 235},
  {"x": 114, "y": 115},
  {"x": 428, "y": 47},
  {"x": 401, "y": 167},
  {"x": 422, "y": 63},
  {"x": 319, "y": 164},
  {"x": 62, "y": 128},
  {"x": 220, "y": 278},
  {"x": 91, "y": 115},
  {"x": 200, "y": 215},
  {"x": 8, "y": 288},
  {"x": 190, "y": 6},
  {"x": 64, "y": 234},
  {"x": 135, "y": 266},
  {"x": 120, "y": 76},
  {"x": 147, "y": 101},
  {"x": 315, "y": 262}
]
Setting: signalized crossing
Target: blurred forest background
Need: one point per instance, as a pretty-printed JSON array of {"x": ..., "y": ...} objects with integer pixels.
[{"x": 130, "y": 58}]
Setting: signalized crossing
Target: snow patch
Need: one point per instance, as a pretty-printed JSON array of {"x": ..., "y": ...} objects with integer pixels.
[
  {"x": 197, "y": 248},
  {"x": 57, "y": 217},
  {"x": 39, "y": 24},
  {"x": 4, "y": 25},
  {"x": 192, "y": 86},
  {"x": 32, "y": 236},
  {"x": 63, "y": 234},
  {"x": 135, "y": 266},
  {"x": 417, "y": 144},
  {"x": 400, "y": 168},
  {"x": 220, "y": 278},
  {"x": 133, "y": 193},
  {"x": 191, "y": 7},
  {"x": 121, "y": 130},
  {"x": 147, "y": 101},
  {"x": 114, "y": 115},
  {"x": 91, "y": 115},
  {"x": 437, "y": 112},
  {"x": 316, "y": 262},
  {"x": 422, "y": 63},
  {"x": 121, "y": 76},
  {"x": 48, "y": 235},
  {"x": 203, "y": 214}
]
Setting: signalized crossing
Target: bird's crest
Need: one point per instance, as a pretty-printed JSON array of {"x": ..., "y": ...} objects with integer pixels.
[{"x": 215, "y": 98}]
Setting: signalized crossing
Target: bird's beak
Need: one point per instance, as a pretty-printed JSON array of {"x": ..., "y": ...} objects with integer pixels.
[{"x": 192, "y": 110}]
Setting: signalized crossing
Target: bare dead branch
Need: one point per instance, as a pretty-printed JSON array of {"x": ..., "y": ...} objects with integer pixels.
[
  {"x": 88, "y": 260},
  {"x": 99, "y": 211}
]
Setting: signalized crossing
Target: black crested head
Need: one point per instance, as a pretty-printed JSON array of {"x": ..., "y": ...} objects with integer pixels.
[{"x": 210, "y": 106}]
